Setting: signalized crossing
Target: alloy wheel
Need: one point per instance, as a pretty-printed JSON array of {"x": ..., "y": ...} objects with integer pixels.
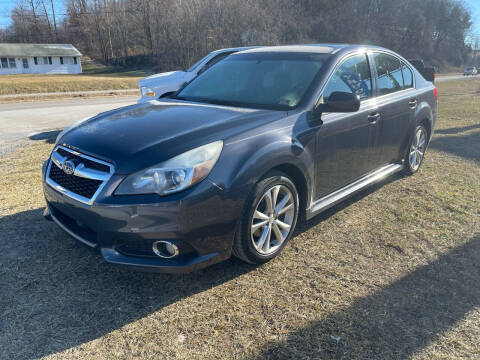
[
  {"x": 417, "y": 150},
  {"x": 272, "y": 219}
]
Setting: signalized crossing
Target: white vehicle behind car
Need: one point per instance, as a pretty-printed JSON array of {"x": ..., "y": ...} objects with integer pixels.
[
  {"x": 154, "y": 86},
  {"x": 470, "y": 71}
]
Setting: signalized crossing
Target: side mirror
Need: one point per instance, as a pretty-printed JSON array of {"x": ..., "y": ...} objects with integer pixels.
[{"x": 340, "y": 101}]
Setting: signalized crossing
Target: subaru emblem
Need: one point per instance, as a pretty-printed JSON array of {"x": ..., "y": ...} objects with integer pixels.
[{"x": 68, "y": 167}]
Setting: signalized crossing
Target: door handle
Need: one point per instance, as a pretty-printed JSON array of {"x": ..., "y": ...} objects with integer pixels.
[
  {"x": 412, "y": 103},
  {"x": 374, "y": 117}
]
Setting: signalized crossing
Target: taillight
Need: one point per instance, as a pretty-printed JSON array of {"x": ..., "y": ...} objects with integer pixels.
[{"x": 435, "y": 92}]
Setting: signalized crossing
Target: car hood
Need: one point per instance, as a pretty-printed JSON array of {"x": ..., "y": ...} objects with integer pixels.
[
  {"x": 171, "y": 76},
  {"x": 142, "y": 135}
]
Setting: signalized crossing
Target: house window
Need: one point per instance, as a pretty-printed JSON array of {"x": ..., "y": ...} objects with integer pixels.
[
  {"x": 11, "y": 63},
  {"x": 35, "y": 60},
  {"x": 45, "y": 60},
  {"x": 75, "y": 60},
  {"x": 50, "y": 60},
  {"x": 4, "y": 62},
  {"x": 61, "y": 60}
]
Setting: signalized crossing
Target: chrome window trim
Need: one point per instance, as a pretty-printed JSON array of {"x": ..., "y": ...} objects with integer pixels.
[
  {"x": 369, "y": 53},
  {"x": 80, "y": 171}
]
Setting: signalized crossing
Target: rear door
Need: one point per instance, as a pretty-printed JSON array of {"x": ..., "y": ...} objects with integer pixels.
[
  {"x": 396, "y": 101},
  {"x": 344, "y": 140}
]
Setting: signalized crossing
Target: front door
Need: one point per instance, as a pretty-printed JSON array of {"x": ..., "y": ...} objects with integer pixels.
[{"x": 344, "y": 140}]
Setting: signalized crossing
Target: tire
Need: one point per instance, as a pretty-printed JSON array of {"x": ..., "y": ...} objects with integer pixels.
[
  {"x": 259, "y": 222},
  {"x": 416, "y": 150}
]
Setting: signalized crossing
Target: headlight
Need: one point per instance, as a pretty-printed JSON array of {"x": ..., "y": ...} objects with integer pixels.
[
  {"x": 147, "y": 92},
  {"x": 175, "y": 174}
]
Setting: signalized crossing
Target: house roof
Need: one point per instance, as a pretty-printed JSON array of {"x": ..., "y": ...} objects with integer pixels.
[{"x": 9, "y": 49}]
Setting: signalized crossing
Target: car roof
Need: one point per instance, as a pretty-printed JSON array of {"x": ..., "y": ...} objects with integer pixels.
[
  {"x": 311, "y": 48},
  {"x": 234, "y": 49}
]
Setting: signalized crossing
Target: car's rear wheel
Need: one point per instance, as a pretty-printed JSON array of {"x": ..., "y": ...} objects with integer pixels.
[
  {"x": 416, "y": 151},
  {"x": 268, "y": 220}
]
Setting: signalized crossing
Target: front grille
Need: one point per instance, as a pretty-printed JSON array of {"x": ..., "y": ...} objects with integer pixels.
[
  {"x": 81, "y": 186},
  {"x": 79, "y": 159},
  {"x": 88, "y": 177}
]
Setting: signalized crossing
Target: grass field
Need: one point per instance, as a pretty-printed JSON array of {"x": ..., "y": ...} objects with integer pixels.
[
  {"x": 392, "y": 273},
  {"x": 92, "y": 79}
]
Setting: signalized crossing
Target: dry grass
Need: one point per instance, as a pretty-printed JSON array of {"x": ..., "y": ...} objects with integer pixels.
[
  {"x": 391, "y": 274},
  {"x": 30, "y": 84},
  {"x": 65, "y": 96}
]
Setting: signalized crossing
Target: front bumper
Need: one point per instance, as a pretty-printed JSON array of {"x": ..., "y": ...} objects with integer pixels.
[{"x": 200, "y": 221}]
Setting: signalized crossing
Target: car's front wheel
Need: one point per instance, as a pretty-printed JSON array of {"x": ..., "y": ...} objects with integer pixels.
[{"x": 268, "y": 220}]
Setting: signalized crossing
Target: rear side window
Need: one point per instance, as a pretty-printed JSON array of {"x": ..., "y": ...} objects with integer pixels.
[
  {"x": 389, "y": 73},
  {"x": 407, "y": 76},
  {"x": 353, "y": 76}
]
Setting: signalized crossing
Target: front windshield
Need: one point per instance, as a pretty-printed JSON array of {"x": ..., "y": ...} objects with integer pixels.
[{"x": 260, "y": 80}]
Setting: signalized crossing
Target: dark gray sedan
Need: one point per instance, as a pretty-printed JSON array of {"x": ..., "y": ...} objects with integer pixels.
[{"x": 229, "y": 163}]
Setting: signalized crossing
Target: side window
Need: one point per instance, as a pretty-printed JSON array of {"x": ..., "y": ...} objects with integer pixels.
[
  {"x": 352, "y": 76},
  {"x": 389, "y": 73},
  {"x": 407, "y": 77}
]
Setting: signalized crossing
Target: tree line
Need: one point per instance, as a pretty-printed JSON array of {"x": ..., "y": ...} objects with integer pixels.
[{"x": 175, "y": 33}]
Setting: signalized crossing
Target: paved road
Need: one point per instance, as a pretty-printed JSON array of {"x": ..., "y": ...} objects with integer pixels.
[{"x": 20, "y": 120}]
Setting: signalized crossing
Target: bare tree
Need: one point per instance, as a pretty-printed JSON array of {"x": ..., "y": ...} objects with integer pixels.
[{"x": 175, "y": 33}]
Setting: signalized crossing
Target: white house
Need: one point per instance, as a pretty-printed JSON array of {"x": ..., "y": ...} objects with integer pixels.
[{"x": 39, "y": 59}]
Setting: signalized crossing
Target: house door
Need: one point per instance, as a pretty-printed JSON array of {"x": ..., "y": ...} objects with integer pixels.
[{"x": 25, "y": 66}]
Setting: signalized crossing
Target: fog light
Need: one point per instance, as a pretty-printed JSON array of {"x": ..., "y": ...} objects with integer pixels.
[{"x": 165, "y": 249}]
